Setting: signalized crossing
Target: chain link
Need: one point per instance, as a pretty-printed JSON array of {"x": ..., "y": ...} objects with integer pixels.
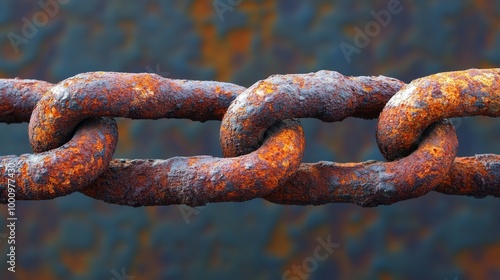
[{"x": 74, "y": 135}]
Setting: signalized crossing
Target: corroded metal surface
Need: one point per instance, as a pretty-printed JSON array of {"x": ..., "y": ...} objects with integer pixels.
[
  {"x": 136, "y": 96},
  {"x": 427, "y": 100},
  {"x": 194, "y": 180},
  {"x": 19, "y": 97},
  {"x": 374, "y": 183},
  {"x": 477, "y": 176},
  {"x": 325, "y": 95},
  {"x": 63, "y": 170},
  {"x": 198, "y": 180},
  {"x": 444, "y": 95},
  {"x": 263, "y": 144},
  {"x": 330, "y": 96},
  {"x": 433, "y": 237}
]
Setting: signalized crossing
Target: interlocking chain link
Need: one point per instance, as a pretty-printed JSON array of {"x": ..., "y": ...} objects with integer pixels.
[{"x": 74, "y": 135}]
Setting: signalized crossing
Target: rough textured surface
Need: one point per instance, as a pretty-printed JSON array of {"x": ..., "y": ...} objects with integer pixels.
[
  {"x": 192, "y": 181},
  {"x": 434, "y": 237},
  {"x": 325, "y": 95},
  {"x": 21, "y": 96},
  {"x": 445, "y": 95},
  {"x": 64, "y": 170},
  {"x": 195, "y": 181},
  {"x": 374, "y": 183},
  {"x": 136, "y": 96},
  {"x": 429, "y": 99},
  {"x": 477, "y": 176}
]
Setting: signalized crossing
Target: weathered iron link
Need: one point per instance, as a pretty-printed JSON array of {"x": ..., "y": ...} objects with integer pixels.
[
  {"x": 195, "y": 181},
  {"x": 374, "y": 183},
  {"x": 61, "y": 171},
  {"x": 180, "y": 180},
  {"x": 325, "y": 95},
  {"x": 64, "y": 170},
  {"x": 427, "y": 100},
  {"x": 262, "y": 142},
  {"x": 330, "y": 96},
  {"x": 19, "y": 97},
  {"x": 476, "y": 176},
  {"x": 430, "y": 99},
  {"x": 136, "y": 96}
]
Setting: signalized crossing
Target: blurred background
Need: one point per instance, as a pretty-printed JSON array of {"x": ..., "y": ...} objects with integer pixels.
[{"x": 75, "y": 237}]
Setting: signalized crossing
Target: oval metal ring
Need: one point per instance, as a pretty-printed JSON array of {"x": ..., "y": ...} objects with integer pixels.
[
  {"x": 135, "y": 96},
  {"x": 198, "y": 180},
  {"x": 374, "y": 183},
  {"x": 180, "y": 180},
  {"x": 445, "y": 95},
  {"x": 330, "y": 96},
  {"x": 63, "y": 170},
  {"x": 57, "y": 172}
]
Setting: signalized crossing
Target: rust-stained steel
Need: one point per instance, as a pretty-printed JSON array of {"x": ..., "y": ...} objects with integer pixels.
[
  {"x": 262, "y": 142},
  {"x": 64, "y": 170},
  {"x": 477, "y": 176},
  {"x": 199, "y": 180},
  {"x": 19, "y": 97},
  {"x": 191, "y": 180},
  {"x": 430, "y": 99},
  {"x": 325, "y": 95},
  {"x": 374, "y": 183},
  {"x": 445, "y": 95},
  {"x": 330, "y": 96},
  {"x": 136, "y": 96}
]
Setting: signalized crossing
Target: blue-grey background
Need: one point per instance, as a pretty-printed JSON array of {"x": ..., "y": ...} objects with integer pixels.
[{"x": 75, "y": 237}]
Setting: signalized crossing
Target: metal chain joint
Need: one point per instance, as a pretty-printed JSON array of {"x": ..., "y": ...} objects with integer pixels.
[{"x": 74, "y": 136}]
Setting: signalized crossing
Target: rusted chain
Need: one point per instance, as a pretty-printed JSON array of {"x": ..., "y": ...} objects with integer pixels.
[
  {"x": 430, "y": 99},
  {"x": 186, "y": 180},
  {"x": 195, "y": 181},
  {"x": 63, "y": 170},
  {"x": 135, "y": 96},
  {"x": 330, "y": 96},
  {"x": 373, "y": 183},
  {"x": 427, "y": 100},
  {"x": 476, "y": 176},
  {"x": 325, "y": 95},
  {"x": 262, "y": 142},
  {"x": 19, "y": 97}
]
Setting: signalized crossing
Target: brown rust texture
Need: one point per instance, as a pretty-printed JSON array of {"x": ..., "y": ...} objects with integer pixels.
[
  {"x": 263, "y": 144},
  {"x": 427, "y": 100},
  {"x": 430, "y": 99},
  {"x": 136, "y": 96},
  {"x": 199, "y": 180},
  {"x": 19, "y": 97},
  {"x": 477, "y": 176},
  {"x": 63, "y": 170},
  {"x": 180, "y": 180},
  {"x": 374, "y": 183},
  {"x": 325, "y": 95}
]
